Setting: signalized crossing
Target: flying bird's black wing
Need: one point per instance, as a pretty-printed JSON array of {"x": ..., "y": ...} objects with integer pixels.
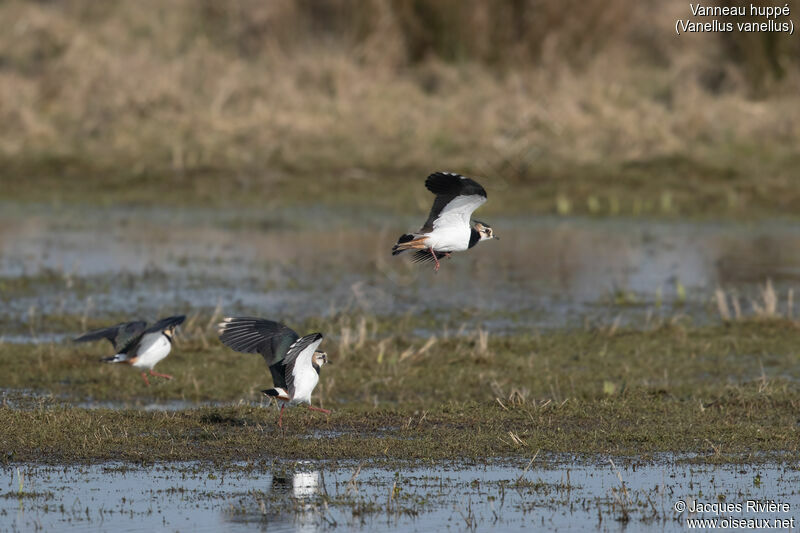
[
  {"x": 257, "y": 335},
  {"x": 166, "y": 323},
  {"x": 119, "y": 335},
  {"x": 456, "y": 198},
  {"x": 298, "y": 360}
]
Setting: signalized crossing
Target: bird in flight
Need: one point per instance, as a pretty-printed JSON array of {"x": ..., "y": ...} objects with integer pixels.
[
  {"x": 293, "y": 361},
  {"x": 448, "y": 228},
  {"x": 137, "y": 345}
]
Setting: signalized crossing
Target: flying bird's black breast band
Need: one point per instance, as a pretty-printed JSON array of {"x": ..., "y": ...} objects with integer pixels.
[
  {"x": 316, "y": 367},
  {"x": 474, "y": 237},
  {"x": 167, "y": 336}
]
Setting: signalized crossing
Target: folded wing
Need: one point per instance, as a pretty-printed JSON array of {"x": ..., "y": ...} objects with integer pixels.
[{"x": 298, "y": 361}]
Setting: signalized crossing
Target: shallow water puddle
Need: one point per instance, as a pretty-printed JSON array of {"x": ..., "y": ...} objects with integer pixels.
[
  {"x": 544, "y": 272},
  {"x": 308, "y": 497}
]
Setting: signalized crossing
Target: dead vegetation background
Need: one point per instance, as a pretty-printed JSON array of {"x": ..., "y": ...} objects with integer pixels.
[{"x": 569, "y": 96}]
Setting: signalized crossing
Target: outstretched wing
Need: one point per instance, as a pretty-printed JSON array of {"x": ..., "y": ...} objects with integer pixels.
[
  {"x": 256, "y": 335},
  {"x": 166, "y": 323},
  {"x": 456, "y": 198},
  {"x": 119, "y": 335},
  {"x": 298, "y": 360},
  {"x": 143, "y": 340}
]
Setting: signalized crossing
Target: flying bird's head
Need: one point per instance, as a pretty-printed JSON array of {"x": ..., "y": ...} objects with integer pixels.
[
  {"x": 485, "y": 231},
  {"x": 320, "y": 358}
]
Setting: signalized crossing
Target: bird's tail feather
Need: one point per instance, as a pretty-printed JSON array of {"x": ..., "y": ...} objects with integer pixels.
[
  {"x": 276, "y": 393},
  {"x": 425, "y": 256},
  {"x": 409, "y": 241},
  {"x": 117, "y": 358}
]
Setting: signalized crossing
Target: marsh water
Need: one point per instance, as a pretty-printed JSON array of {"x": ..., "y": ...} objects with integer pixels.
[
  {"x": 308, "y": 497},
  {"x": 293, "y": 264},
  {"x": 544, "y": 272}
]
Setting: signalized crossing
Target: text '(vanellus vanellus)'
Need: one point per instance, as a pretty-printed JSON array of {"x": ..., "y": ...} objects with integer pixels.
[
  {"x": 448, "y": 228},
  {"x": 293, "y": 361},
  {"x": 137, "y": 345}
]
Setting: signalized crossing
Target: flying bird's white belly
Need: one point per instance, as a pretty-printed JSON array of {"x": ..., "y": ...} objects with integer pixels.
[
  {"x": 154, "y": 353},
  {"x": 449, "y": 238},
  {"x": 304, "y": 386}
]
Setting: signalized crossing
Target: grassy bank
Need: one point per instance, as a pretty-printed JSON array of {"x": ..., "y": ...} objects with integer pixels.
[
  {"x": 743, "y": 425},
  {"x": 602, "y": 112},
  {"x": 659, "y": 187},
  {"x": 729, "y": 391}
]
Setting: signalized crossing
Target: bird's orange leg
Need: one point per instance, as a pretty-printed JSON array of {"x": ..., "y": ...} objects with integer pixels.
[
  {"x": 167, "y": 376},
  {"x": 144, "y": 377},
  {"x": 436, "y": 269},
  {"x": 320, "y": 409}
]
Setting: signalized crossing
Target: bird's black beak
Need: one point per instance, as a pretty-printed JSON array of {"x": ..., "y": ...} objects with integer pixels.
[{"x": 495, "y": 237}]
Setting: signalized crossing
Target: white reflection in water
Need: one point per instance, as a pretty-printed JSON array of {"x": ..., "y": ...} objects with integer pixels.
[
  {"x": 302, "y": 514},
  {"x": 305, "y": 484},
  {"x": 194, "y": 497}
]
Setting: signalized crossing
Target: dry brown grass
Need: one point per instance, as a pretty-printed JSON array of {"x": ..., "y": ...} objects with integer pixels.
[
  {"x": 541, "y": 92},
  {"x": 767, "y": 306}
]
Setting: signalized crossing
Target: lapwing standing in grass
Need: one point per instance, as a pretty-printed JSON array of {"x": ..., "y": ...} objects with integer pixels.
[
  {"x": 448, "y": 228},
  {"x": 293, "y": 361},
  {"x": 137, "y": 345}
]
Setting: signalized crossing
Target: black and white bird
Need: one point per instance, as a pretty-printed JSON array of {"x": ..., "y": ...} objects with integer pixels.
[
  {"x": 137, "y": 345},
  {"x": 293, "y": 361},
  {"x": 448, "y": 228}
]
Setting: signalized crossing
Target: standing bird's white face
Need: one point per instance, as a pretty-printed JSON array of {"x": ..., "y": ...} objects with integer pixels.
[{"x": 485, "y": 231}]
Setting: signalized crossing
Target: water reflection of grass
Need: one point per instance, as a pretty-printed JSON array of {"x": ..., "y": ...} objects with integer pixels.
[
  {"x": 280, "y": 494},
  {"x": 724, "y": 390}
]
